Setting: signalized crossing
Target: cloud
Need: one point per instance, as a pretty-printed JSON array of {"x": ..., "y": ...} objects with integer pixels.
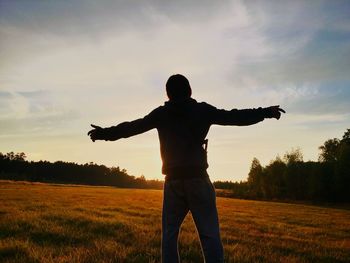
[
  {"x": 31, "y": 112},
  {"x": 305, "y": 42},
  {"x": 32, "y": 26},
  {"x": 252, "y": 53},
  {"x": 307, "y": 48},
  {"x": 332, "y": 98},
  {"x": 13, "y": 105},
  {"x": 64, "y": 64}
]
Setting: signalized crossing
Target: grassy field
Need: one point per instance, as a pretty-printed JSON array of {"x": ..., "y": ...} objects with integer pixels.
[{"x": 57, "y": 223}]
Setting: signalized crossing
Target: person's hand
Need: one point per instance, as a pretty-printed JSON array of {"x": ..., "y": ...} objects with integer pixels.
[
  {"x": 274, "y": 112},
  {"x": 96, "y": 133}
]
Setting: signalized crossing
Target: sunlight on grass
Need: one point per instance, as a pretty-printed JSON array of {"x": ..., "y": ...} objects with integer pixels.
[{"x": 56, "y": 223}]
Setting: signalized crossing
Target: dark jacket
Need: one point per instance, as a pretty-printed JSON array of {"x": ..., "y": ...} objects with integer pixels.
[{"x": 182, "y": 127}]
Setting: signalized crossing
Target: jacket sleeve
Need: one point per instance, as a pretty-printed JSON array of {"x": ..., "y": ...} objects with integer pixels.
[
  {"x": 236, "y": 117},
  {"x": 131, "y": 128}
]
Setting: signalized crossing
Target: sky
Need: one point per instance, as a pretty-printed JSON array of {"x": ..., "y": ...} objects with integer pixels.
[{"x": 67, "y": 64}]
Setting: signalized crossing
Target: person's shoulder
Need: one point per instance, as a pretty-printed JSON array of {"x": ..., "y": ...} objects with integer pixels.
[
  {"x": 206, "y": 106},
  {"x": 157, "y": 110}
]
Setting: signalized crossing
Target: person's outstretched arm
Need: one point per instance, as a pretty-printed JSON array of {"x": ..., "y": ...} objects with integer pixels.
[
  {"x": 124, "y": 129},
  {"x": 243, "y": 117}
]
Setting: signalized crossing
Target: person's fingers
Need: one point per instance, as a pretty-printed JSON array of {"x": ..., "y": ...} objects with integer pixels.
[
  {"x": 93, "y": 137},
  {"x": 275, "y": 111},
  {"x": 95, "y": 126},
  {"x": 91, "y": 132},
  {"x": 277, "y": 107},
  {"x": 277, "y": 115}
]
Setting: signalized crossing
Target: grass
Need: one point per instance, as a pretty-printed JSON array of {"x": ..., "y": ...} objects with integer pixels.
[{"x": 60, "y": 223}]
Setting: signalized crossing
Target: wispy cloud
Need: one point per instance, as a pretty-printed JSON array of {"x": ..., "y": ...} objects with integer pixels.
[{"x": 25, "y": 113}]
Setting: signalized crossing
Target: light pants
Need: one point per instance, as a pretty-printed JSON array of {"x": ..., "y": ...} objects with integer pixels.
[{"x": 198, "y": 196}]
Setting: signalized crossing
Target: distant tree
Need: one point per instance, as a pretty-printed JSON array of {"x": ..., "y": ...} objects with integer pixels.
[
  {"x": 20, "y": 156},
  {"x": 11, "y": 156},
  {"x": 255, "y": 178},
  {"x": 293, "y": 156},
  {"x": 346, "y": 137},
  {"x": 293, "y": 178},
  {"x": 274, "y": 184},
  {"x": 329, "y": 150},
  {"x": 342, "y": 168},
  {"x": 13, "y": 166}
]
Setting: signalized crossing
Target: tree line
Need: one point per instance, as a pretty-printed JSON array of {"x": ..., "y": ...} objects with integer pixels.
[
  {"x": 14, "y": 166},
  {"x": 290, "y": 178},
  {"x": 286, "y": 178}
]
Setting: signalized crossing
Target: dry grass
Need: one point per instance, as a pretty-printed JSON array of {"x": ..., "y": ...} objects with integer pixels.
[{"x": 56, "y": 223}]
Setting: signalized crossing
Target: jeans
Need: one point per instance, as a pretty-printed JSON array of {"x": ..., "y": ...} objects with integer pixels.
[{"x": 198, "y": 196}]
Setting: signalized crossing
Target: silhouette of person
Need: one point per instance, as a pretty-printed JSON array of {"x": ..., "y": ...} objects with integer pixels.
[{"x": 183, "y": 124}]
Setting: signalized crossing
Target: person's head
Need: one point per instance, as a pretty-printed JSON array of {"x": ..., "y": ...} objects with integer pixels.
[{"x": 178, "y": 87}]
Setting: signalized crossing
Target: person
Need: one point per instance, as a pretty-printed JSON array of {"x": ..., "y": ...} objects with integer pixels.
[{"x": 183, "y": 124}]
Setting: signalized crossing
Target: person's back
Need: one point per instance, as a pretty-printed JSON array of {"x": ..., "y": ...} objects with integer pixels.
[
  {"x": 182, "y": 125},
  {"x": 182, "y": 129}
]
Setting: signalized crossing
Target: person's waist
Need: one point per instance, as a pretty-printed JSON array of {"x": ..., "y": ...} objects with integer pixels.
[{"x": 186, "y": 172}]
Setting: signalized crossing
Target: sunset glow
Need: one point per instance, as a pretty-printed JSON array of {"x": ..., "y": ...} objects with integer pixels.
[{"x": 66, "y": 64}]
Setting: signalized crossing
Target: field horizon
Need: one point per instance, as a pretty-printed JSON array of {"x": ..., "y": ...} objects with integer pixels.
[{"x": 75, "y": 223}]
